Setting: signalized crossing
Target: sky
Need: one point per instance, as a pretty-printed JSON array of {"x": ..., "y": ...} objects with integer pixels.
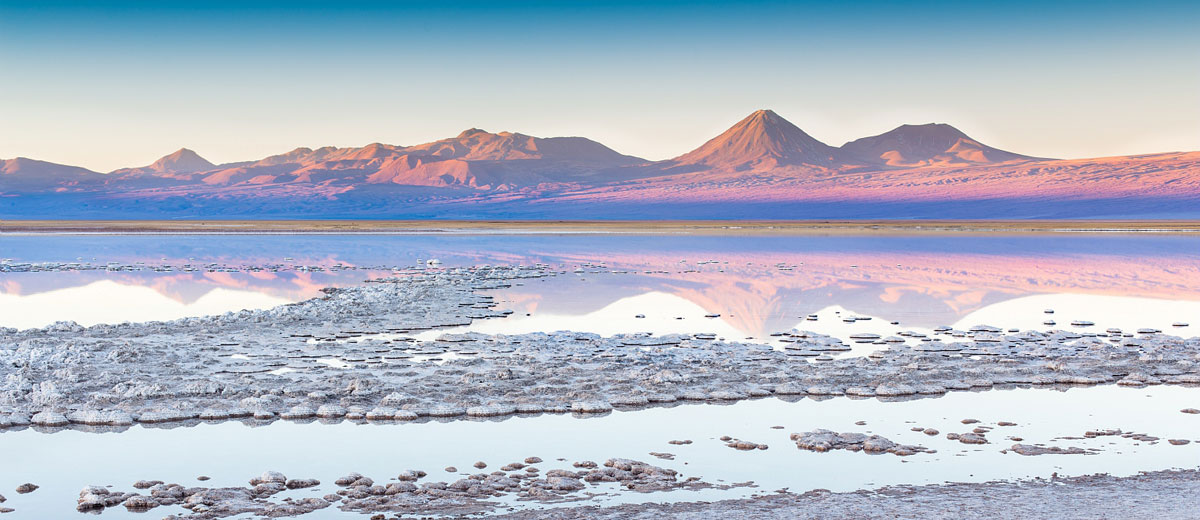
[{"x": 109, "y": 84}]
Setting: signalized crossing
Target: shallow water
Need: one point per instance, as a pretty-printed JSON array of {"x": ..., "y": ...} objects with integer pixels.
[
  {"x": 231, "y": 453},
  {"x": 560, "y": 303},
  {"x": 759, "y": 284}
]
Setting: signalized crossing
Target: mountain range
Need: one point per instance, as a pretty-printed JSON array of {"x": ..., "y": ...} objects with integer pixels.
[{"x": 762, "y": 167}]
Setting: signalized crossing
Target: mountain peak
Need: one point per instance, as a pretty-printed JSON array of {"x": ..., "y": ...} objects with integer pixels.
[
  {"x": 182, "y": 160},
  {"x": 930, "y": 144},
  {"x": 765, "y": 113},
  {"x": 471, "y": 132},
  {"x": 762, "y": 140}
]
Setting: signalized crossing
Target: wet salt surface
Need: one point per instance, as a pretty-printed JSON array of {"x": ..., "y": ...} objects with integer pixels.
[
  {"x": 231, "y": 453},
  {"x": 122, "y": 303},
  {"x": 920, "y": 282},
  {"x": 759, "y": 284},
  {"x": 657, "y": 312}
]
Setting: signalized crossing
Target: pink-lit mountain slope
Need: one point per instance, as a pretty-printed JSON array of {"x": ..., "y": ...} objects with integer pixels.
[
  {"x": 1166, "y": 176},
  {"x": 482, "y": 159},
  {"x": 24, "y": 174},
  {"x": 762, "y": 167},
  {"x": 933, "y": 144},
  {"x": 762, "y": 141},
  {"x": 182, "y": 161},
  {"x": 474, "y": 159}
]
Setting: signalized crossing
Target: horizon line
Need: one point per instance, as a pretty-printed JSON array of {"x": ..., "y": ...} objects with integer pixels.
[{"x": 510, "y": 132}]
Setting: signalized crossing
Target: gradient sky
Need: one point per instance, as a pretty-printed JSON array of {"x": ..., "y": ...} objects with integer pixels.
[{"x": 108, "y": 84}]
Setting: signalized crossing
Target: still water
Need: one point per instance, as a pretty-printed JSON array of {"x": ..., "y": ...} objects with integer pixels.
[
  {"x": 733, "y": 287},
  {"x": 757, "y": 284},
  {"x": 231, "y": 452}
]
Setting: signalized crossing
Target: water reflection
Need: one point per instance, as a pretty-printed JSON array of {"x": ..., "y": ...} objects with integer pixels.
[
  {"x": 758, "y": 285},
  {"x": 566, "y": 303},
  {"x": 67, "y": 460},
  {"x": 107, "y": 301}
]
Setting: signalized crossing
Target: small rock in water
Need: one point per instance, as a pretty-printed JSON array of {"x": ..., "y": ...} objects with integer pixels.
[
  {"x": 826, "y": 440},
  {"x": 532, "y": 460},
  {"x": 1178, "y": 442},
  {"x": 741, "y": 445},
  {"x": 1030, "y": 450},
  {"x": 969, "y": 438},
  {"x": 355, "y": 479},
  {"x": 27, "y": 488},
  {"x": 407, "y": 476},
  {"x": 301, "y": 483},
  {"x": 480, "y": 465},
  {"x": 685, "y": 441},
  {"x": 139, "y": 503},
  {"x": 268, "y": 477},
  {"x": 1190, "y": 410},
  {"x": 970, "y": 421},
  {"x": 451, "y": 469},
  {"x": 94, "y": 498}
]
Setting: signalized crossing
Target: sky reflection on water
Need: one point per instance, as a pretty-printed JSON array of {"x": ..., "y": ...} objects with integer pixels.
[{"x": 759, "y": 284}]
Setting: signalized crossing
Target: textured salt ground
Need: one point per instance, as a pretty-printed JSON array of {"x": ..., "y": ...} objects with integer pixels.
[
  {"x": 680, "y": 367},
  {"x": 320, "y": 358},
  {"x": 380, "y": 451},
  {"x": 409, "y": 493},
  {"x": 1166, "y": 495}
]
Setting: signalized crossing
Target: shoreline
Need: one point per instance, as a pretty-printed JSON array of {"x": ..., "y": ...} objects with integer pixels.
[
  {"x": 268, "y": 366},
  {"x": 1155, "y": 494},
  {"x": 699, "y": 227},
  {"x": 218, "y": 385}
]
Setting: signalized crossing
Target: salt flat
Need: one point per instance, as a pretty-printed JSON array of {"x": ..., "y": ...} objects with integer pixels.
[{"x": 438, "y": 364}]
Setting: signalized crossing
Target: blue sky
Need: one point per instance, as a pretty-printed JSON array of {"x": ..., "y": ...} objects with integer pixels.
[{"x": 112, "y": 84}]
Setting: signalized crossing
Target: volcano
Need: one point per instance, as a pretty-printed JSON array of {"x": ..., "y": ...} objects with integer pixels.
[
  {"x": 933, "y": 144},
  {"x": 762, "y": 141}
]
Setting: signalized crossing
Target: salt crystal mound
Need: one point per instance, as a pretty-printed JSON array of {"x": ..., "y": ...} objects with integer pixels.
[
  {"x": 184, "y": 371},
  {"x": 407, "y": 495},
  {"x": 210, "y": 502},
  {"x": 821, "y": 440},
  {"x": 96, "y": 418},
  {"x": 1033, "y": 450},
  {"x": 51, "y": 419}
]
